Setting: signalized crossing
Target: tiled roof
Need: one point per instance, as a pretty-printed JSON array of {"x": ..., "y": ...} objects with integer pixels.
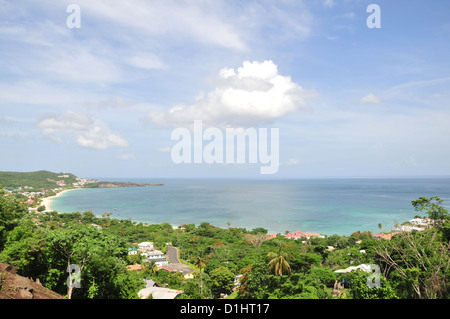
[{"x": 134, "y": 267}]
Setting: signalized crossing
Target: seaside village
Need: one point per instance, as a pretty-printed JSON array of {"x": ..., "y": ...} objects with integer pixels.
[
  {"x": 171, "y": 263},
  {"x": 34, "y": 197}
]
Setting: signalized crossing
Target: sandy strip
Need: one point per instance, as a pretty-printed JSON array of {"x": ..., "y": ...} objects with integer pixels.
[{"x": 47, "y": 201}]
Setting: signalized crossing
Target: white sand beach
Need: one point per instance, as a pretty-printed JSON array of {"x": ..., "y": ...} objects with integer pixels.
[{"x": 47, "y": 201}]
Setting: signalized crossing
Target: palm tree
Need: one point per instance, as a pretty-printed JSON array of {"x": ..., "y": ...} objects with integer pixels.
[
  {"x": 200, "y": 262},
  {"x": 278, "y": 262},
  {"x": 152, "y": 267}
]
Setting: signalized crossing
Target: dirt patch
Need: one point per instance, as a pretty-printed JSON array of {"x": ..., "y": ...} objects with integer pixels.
[{"x": 13, "y": 286}]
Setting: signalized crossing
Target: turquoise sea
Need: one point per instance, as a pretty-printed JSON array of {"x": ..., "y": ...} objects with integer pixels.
[{"x": 327, "y": 206}]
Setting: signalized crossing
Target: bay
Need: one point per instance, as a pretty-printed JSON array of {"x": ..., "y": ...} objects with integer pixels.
[{"x": 323, "y": 205}]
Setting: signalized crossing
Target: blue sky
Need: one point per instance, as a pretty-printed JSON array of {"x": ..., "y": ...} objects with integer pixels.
[{"x": 102, "y": 100}]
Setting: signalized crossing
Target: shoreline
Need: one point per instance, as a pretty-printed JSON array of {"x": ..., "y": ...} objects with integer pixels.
[
  {"x": 296, "y": 226},
  {"x": 47, "y": 201}
]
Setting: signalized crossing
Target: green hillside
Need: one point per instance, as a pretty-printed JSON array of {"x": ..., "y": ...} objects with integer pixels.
[{"x": 38, "y": 179}]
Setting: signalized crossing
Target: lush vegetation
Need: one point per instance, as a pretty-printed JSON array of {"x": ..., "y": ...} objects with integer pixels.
[
  {"x": 412, "y": 265},
  {"x": 35, "y": 180}
]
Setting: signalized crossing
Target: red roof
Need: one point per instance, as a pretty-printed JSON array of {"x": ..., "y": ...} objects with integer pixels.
[
  {"x": 312, "y": 234},
  {"x": 383, "y": 235},
  {"x": 134, "y": 267},
  {"x": 294, "y": 235}
]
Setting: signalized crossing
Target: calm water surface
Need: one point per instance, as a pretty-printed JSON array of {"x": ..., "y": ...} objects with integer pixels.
[{"x": 327, "y": 206}]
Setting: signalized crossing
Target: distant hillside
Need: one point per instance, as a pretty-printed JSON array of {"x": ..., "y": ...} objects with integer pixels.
[
  {"x": 119, "y": 184},
  {"x": 39, "y": 179},
  {"x": 50, "y": 180}
]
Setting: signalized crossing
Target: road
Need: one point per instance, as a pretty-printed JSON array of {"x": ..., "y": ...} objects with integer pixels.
[
  {"x": 174, "y": 261},
  {"x": 172, "y": 255}
]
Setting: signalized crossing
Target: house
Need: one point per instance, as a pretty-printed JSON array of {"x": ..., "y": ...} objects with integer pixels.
[
  {"x": 181, "y": 268},
  {"x": 154, "y": 254},
  {"x": 388, "y": 236},
  {"x": 145, "y": 246},
  {"x": 384, "y": 236},
  {"x": 28, "y": 202},
  {"x": 166, "y": 268},
  {"x": 150, "y": 283},
  {"x": 419, "y": 222},
  {"x": 61, "y": 183},
  {"x": 159, "y": 293},
  {"x": 133, "y": 251},
  {"x": 363, "y": 267},
  {"x": 237, "y": 280},
  {"x": 134, "y": 267},
  {"x": 309, "y": 235},
  {"x": 298, "y": 234},
  {"x": 295, "y": 235},
  {"x": 408, "y": 228}
]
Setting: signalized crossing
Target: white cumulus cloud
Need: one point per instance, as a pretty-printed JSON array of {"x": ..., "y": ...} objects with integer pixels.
[
  {"x": 252, "y": 94},
  {"x": 87, "y": 131}
]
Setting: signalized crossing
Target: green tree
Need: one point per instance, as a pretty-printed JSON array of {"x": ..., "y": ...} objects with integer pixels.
[
  {"x": 200, "y": 262},
  {"x": 361, "y": 290},
  {"x": 420, "y": 259},
  {"x": 278, "y": 262},
  {"x": 324, "y": 275},
  {"x": 304, "y": 262},
  {"x": 11, "y": 211},
  {"x": 76, "y": 244},
  {"x": 433, "y": 207},
  {"x": 24, "y": 248},
  {"x": 222, "y": 279},
  {"x": 134, "y": 259},
  {"x": 151, "y": 266},
  {"x": 254, "y": 282},
  {"x": 127, "y": 285}
]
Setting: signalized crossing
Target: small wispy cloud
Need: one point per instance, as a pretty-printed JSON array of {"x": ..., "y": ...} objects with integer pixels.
[
  {"x": 146, "y": 61},
  {"x": 290, "y": 162},
  {"x": 166, "y": 149},
  {"x": 114, "y": 102},
  {"x": 124, "y": 156},
  {"x": 370, "y": 98},
  {"x": 328, "y": 3}
]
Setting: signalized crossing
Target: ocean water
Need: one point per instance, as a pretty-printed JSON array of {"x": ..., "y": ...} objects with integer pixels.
[{"x": 326, "y": 206}]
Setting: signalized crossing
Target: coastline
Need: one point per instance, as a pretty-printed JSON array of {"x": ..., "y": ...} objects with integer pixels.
[{"x": 47, "y": 201}]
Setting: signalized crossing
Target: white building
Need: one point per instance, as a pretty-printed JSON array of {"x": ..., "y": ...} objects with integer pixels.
[
  {"x": 145, "y": 246},
  {"x": 363, "y": 267},
  {"x": 408, "y": 228},
  {"x": 159, "y": 293},
  {"x": 133, "y": 251},
  {"x": 154, "y": 254},
  {"x": 419, "y": 222}
]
